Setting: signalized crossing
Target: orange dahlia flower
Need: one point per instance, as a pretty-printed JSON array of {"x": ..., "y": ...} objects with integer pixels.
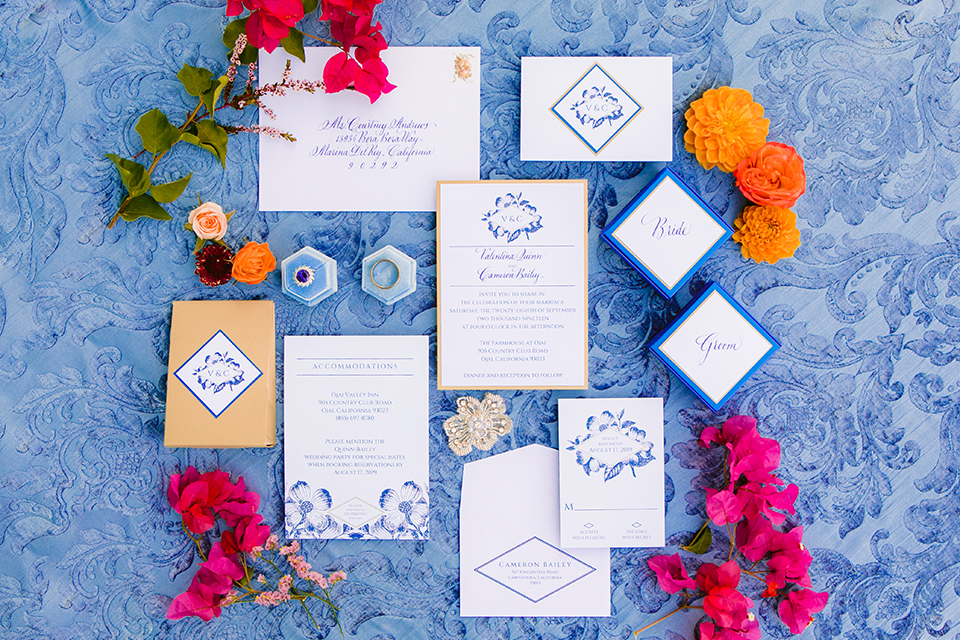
[
  {"x": 724, "y": 127},
  {"x": 767, "y": 234}
]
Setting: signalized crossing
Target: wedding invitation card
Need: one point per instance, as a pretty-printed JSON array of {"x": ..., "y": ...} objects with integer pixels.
[
  {"x": 611, "y": 472},
  {"x": 355, "y": 437},
  {"x": 511, "y": 560},
  {"x": 596, "y": 109},
  {"x": 714, "y": 346},
  {"x": 351, "y": 155},
  {"x": 512, "y": 292}
]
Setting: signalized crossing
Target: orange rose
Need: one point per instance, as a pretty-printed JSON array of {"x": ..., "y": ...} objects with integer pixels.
[
  {"x": 208, "y": 221},
  {"x": 772, "y": 175},
  {"x": 724, "y": 127},
  {"x": 253, "y": 263},
  {"x": 767, "y": 233}
]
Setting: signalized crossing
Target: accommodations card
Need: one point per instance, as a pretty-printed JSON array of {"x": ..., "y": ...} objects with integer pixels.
[
  {"x": 511, "y": 560},
  {"x": 355, "y": 437},
  {"x": 351, "y": 155},
  {"x": 611, "y": 472},
  {"x": 512, "y": 296},
  {"x": 600, "y": 109}
]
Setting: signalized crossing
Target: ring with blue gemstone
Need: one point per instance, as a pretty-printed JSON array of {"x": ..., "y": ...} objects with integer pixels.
[{"x": 303, "y": 276}]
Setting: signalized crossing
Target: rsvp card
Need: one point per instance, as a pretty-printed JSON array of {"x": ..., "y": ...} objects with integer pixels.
[
  {"x": 596, "y": 109},
  {"x": 511, "y": 560},
  {"x": 355, "y": 437},
  {"x": 351, "y": 155},
  {"x": 512, "y": 293},
  {"x": 611, "y": 472}
]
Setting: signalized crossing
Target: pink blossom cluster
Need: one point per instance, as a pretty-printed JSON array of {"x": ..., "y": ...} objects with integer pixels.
[
  {"x": 754, "y": 500},
  {"x": 358, "y": 65},
  {"x": 201, "y": 500},
  {"x": 269, "y": 21}
]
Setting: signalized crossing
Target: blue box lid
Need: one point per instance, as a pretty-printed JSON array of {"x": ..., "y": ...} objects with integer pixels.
[
  {"x": 714, "y": 346},
  {"x": 667, "y": 232}
]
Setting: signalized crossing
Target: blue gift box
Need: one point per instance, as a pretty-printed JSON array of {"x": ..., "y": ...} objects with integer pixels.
[
  {"x": 714, "y": 346},
  {"x": 667, "y": 232}
]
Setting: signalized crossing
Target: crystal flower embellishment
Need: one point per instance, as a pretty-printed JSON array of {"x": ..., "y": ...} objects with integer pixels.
[{"x": 477, "y": 423}]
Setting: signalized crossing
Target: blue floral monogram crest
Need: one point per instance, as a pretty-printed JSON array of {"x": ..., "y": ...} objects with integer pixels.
[
  {"x": 219, "y": 371},
  {"x": 611, "y": 445},
  {"x": 511, "y": 217},
  {"x": 596, "y": 107},
  {"x": 595, "y": 100}
]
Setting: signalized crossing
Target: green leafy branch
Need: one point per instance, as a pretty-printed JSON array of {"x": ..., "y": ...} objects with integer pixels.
[{"x": 159, "y": 136}]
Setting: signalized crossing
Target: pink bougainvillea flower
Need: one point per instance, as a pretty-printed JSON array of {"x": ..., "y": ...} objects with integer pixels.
[
  {"x": 753, "y": 538},
  {"x": 763, "y": 499},
  {"x": 339, "y": 72},
  {"x": 798, "y": 608},
  {"x": 199, "y": 600},
  {"x": 749, "y": 630},
  {"x": 250, "y": 533},
  {"x": 219, "y": 571},
  {"x": 710, "y": 576},
  {"x": 727, "y": 606},
  {"x": 178, "y": 482},
  {"x": 242, "y": 505},
  {"x": 265, "y": 31},
  {"x": 671, "y": 574},
  {"x": 755, "y": 457},
  {"x": 723, "y": 507},
  {"x": 733, "y": 429},
  {"x": 372, "y": 81},
  {"x": 790, "y": 561},
  {"x": 219, "y": 488}
]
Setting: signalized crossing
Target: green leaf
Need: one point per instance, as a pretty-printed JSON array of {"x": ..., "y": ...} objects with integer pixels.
[
  {"x": 196, "y": 80},
  {"x": 309, "y": 6},
  {"x": 210, "y": 96},
  {"x": 200, "y": 243},
  {"x": 293, "y": 44},
  {"x": 132, "y": 174},
  {"x": 230, "y": 34},
  {"x": 144, "y": 206},
  {"x": 156, "y": 132},
  {"x": 213, "y": 138},
  {"x": 170, "y": 191},
  {"x": 701, "y": 542}
]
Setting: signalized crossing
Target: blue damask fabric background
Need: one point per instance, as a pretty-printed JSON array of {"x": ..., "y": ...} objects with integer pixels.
[{"x": 863, "y": 395}]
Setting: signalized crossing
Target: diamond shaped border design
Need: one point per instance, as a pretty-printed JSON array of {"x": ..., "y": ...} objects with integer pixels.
[
  {"x": 596, "y": 150},
  {"x": 190, "y": 359},
  {"x": 332, "y": 512},
  {"x": 542, "y": 541}
]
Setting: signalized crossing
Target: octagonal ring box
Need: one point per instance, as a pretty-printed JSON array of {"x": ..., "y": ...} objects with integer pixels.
[
  {"x": 389, "y": 275},
  {"x": 714, "y": 346},
  {"x": 309, "y": 276},
  {"x": 667, "y": 232}
]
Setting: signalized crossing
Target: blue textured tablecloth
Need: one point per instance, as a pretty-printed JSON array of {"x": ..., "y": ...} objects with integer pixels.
[{"x": 863, "y": 395}]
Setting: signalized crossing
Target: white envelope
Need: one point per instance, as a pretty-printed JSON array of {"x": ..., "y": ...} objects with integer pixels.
[{"x": 511, "y": 564}]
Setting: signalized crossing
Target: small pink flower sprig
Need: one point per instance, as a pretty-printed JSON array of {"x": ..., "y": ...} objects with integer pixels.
[
  {"x": 751, "y": 499},
  {"x": 226, "y": 576}
]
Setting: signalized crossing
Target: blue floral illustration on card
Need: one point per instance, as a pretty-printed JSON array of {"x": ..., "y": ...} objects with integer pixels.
[
  {"x": 611, "y": 445},
  {"x": 306, "y": 511},
  {"x": 219, "y": 371},
  {"x": 597, "y": 106},
  {"x": 511, "y": 217}
]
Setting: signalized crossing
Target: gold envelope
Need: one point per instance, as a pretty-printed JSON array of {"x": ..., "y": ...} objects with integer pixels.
[{"x": 221, "y": 382}]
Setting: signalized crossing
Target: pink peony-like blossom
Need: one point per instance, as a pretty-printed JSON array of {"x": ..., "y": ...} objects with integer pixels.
[
  {"x": 671, "y": 574},
  {"x": 723, "y": 507},
  {"x": 798, "y": 608}
]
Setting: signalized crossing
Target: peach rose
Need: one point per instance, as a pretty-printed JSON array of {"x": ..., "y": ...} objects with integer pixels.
[
  {"x": 253, "y": 262},
  {"x": 208, "y": 221},
  {"x": 772, "y": 176}
]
